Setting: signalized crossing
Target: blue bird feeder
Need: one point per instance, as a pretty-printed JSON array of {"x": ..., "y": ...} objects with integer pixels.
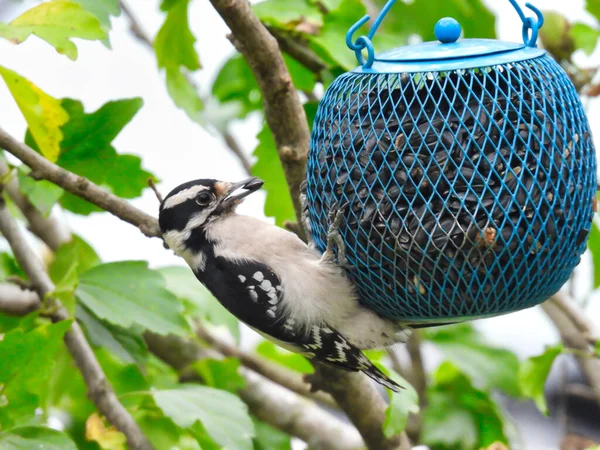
[{"x": 467, "y": 170}]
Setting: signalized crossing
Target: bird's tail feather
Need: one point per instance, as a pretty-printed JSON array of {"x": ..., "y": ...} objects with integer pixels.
[{"x": 375, "y": 374}]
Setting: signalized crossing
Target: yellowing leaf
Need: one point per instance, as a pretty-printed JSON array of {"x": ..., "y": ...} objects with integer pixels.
[
  {"x": 43, "y": 113},
  {"x": 107, "y": 438},
  {"x": 57, "y": 23}
]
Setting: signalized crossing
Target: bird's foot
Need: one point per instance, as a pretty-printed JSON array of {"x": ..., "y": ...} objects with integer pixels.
[{"x": 334, "y": 238}]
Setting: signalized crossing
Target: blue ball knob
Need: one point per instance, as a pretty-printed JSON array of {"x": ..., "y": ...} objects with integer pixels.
[{"x": 447, "y": 30}]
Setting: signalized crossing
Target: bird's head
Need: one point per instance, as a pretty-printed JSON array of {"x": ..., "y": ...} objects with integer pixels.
[{"x": 196, "y": 203}]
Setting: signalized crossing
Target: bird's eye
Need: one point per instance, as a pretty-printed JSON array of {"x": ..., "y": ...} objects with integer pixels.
[{"x": 204, "y": 198}]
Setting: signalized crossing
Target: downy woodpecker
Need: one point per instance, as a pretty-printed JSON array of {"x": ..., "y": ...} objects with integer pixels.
[{"x": 271, "y": 280}]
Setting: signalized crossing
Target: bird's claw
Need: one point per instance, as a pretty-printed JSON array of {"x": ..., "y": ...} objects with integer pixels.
[{"x": 334, "y": 238}]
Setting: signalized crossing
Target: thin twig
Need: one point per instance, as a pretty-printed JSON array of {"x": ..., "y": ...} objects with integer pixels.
[
  {"x": 279, "y": 375},
  {"x": 299, "y": 51},
  {"x": 159, "y": 196},
  {"x": 284, "y": 112},
  {"x": 99, "y": 389},
  {"x": 575, "y": 339},
  {"x": 576, "y": 316},
  {"x": 41, "y": 168},
  {"x": 396, "y": 363},
  {"x": 46, "y": 228},
  {"x": 418, "y": 376},
  {"x": 137, "y": 30},
  {"x": 238, "y": 151},
  {"x": 135, "y": 26}
]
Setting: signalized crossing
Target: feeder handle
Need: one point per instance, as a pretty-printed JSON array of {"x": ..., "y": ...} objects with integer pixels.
[
  {"x": 364, "y": 42},
  {"x": 529, "y": 23}
]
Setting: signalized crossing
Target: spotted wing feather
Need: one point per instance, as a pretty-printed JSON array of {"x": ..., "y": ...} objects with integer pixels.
[
  {"x": 331, "y": 347},
  {"x": 259, "y": 296}
]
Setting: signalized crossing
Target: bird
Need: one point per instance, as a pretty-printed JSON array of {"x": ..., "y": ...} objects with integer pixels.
[{"x": 273, "y": 281}]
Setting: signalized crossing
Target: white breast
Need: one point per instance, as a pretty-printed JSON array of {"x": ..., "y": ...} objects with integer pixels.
[{"x": 313, "y": 291}]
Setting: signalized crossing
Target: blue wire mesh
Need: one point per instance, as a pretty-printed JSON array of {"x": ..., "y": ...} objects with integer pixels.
[{"x": 469, "y": 193}]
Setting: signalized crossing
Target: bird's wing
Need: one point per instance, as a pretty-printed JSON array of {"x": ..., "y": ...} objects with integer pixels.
[
  {"x": 259, "y": 296},
  {"x": 329, "y": 346}
]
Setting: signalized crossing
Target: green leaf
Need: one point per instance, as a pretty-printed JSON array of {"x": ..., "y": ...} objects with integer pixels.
[
  {"x": 174, "y": 46},
  {"x": 304, "y": 79},
  {"x": 27, "y": 358},
  {"x": 288, "y": 14},
  {"x": 102, "y": 9},
  {"x": 330, "y": 44},
  {"x": 402, "y": 404},
  {"x": 43, "y": 113},
  {"x": 174, "y": 43},
  {"x": 75, "y": 251},
  {"x": 420, "y": 16},
  {"x": 125, "y": 378},
  {"x": 184, "y": 285},
  {"x": 293, "y": 361},
  {"x": 585, "y": 37},
  {"x": 57, "y": 23},
  {"x": 458, "y": 415},
  {"x": 269, "y": 438},
  {"x": 128, "y": 293},
  {"x": 593, "y": 7},
  {"x": 184, "y": 94},
  {"x": 42, "y": 194},
  {"x": 597, "y": 349},
  {"x": 126, "y": 344},
  {"x": 236, "y": 84},
  {"x": 87, "y": 151},
  {"x": 161, "y": 432},
  {"x": 488, "y": 367},
  {"x": 533, "y": 375},
  {"x": 223, "y": 415},
  {"x": 35, "y": 438},
  {"x": 127, "y": 178},
  {"x": 9, "y": 267},
  {"x": 594, "y": 246},
  {"x": 268, "y": 167},
  {"x": 555, "y": 36},
  {"x": 221, "y": 374}
]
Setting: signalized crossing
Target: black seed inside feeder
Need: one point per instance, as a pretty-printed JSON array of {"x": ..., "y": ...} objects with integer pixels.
[{"x": 468, "y": 170}]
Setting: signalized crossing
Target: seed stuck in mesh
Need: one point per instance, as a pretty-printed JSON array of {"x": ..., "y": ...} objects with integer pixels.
[{"x": 454, "y": 182}]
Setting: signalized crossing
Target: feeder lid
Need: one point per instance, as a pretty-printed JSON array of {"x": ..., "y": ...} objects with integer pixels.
[{"x": 448, "y": 52}]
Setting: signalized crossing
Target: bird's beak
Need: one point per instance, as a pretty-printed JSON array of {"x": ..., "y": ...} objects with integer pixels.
[{"x": 240, "y": 190}]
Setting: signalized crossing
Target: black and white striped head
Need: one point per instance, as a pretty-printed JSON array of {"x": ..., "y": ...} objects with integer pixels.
[{"x": 198, "y": 202}]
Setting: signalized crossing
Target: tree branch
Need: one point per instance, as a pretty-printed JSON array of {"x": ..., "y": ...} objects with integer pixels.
[
  {"x": 270, "y": 402},
  {"x": 99, "y": 389},
  {"x": 418, "y": 376},
  {"x": 238, "y": 151},
  {"x": 363, "y": 404},
  {"x": 41, "y": 168},
  {"x": 286, "y": 118},
  {"x": 574, "y": 338},
  {"x": 46, "y": 228},
  {"x": 279, "y": 375},
  {"x": 296, "y": 416},
  {"x": 16, "y": 301},
  {"x": 283, "y": 109},
  {"x": 298, "y": 51}
]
